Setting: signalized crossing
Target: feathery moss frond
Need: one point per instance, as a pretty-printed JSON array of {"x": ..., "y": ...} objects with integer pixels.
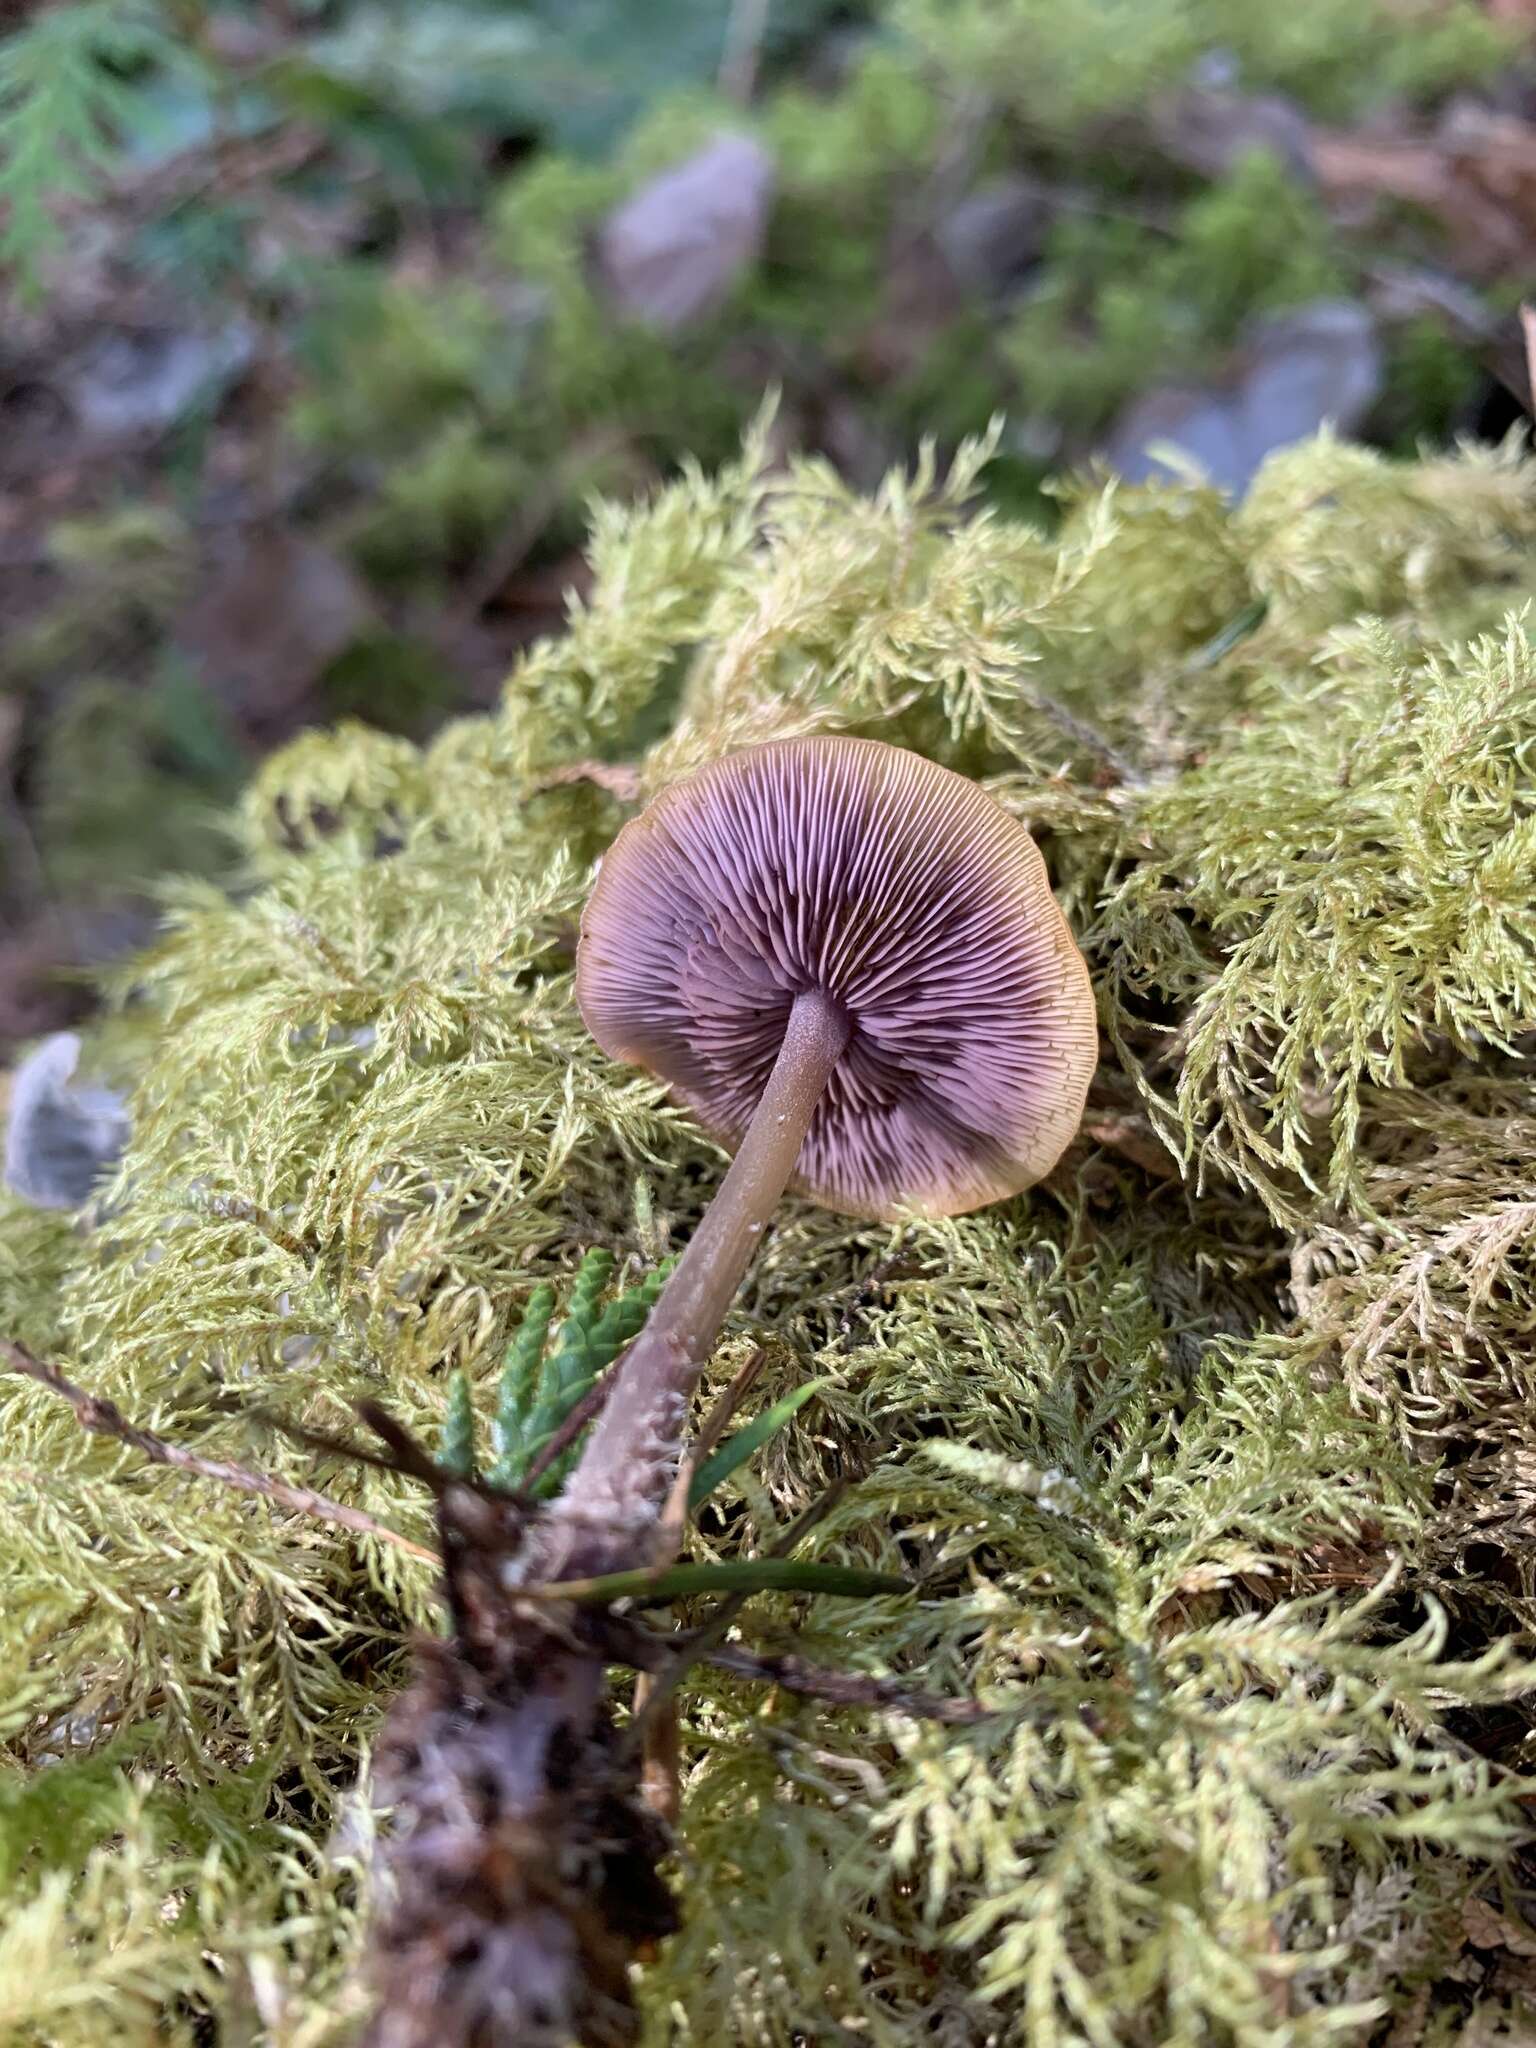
[{"x": 1336, "y": 893}]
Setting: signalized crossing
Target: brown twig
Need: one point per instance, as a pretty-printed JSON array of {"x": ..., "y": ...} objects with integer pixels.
[
  {"x": 1528, "y": 330},
  {"x": 661, "y": 1749},
  {"x": 347, "y": 1448},
  {"x": 404, "y": 1457},
  {"x": 699, "y": 1642},
  {"x": 845, "y": 1688},
  {"x": 743, "y": 50},
  {"x": 674, "y": 1516},
  {"x": 655, "y": 1714},
  {"x": 409, "y": 1456},
  {"x": 525, "y": 528},
  {"x": 104, "y": 1418},
  {"x": 865, "y": 1285},
  {"x": 219, "y": 167},
  {"x": 505, "y": 556},
  {"x": 630, "y": 1642},
  {"x": 1117, "y": 766}
]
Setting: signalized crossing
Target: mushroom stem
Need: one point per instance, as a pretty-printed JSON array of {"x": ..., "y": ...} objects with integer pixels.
[{"x": 642, "y": 1419}]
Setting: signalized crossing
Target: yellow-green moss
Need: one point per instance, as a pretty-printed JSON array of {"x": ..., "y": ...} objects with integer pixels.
[{"x": 1244, "y": 1776}]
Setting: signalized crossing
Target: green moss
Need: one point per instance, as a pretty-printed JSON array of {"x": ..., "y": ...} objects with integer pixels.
[
  {"x": 1431, "y": 386},
  {"x": 1216, "y": 1483},
  {"x": 1114, "y": 296},
  {"x": 1056, "y": 67},
  {"x": 1135, "y": 270}
]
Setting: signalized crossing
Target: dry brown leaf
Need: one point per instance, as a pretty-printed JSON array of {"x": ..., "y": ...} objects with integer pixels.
[
  {"x": 1486, "y": 1927},
  {"x": 1476, "y": 174}
]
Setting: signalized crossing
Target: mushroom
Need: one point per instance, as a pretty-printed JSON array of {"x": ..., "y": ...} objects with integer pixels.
[{"x": 847, "y": 961}]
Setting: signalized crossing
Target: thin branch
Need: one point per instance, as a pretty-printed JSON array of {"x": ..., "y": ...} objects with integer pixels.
[
  {"x": 845, "y": 1688},
  {"x": 219, "y": 167},
  {"x": 626, "y": 1641},
  {"x": 865, "y": 1285},
  {"x": 743, "y": 50},
  {"x": 674, "y": 1516},
  {"x": 812, "y": 1517},
  {"x": 347, "y": 1448},
  {"x": 526, "y": 528},
  {"x": 409, "y": 1456},
  {"x": 654, "y": 1710},
  {"x": 661, "y": 1748},
  {"x": 1117, "y": 764},
  {"x": 104, "y": 1418},
  {"x": 416, "y": 1463},
  {"x": 507, "y": 554},
  {"x": 699, "y": 1642}
]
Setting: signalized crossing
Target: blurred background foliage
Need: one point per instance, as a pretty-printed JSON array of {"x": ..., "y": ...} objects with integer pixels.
[{"x": 324, "y": 319}]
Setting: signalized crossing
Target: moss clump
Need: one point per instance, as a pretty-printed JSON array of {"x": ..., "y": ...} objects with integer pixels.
[
  {"x": 1337, "y": 57},
  {"x": 1213, "y": 1453}
]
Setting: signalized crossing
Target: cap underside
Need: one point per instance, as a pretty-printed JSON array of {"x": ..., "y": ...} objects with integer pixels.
[{"x": 905, "y": 894}]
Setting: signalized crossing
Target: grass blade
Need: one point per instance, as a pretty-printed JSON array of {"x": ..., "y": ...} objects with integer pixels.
[
  {"x": 747, "y": 1440},
  {"x": 743, "y": 1575}
]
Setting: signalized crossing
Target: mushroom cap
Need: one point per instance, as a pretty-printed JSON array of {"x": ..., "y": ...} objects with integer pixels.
[{"x": 904, "y": 894}]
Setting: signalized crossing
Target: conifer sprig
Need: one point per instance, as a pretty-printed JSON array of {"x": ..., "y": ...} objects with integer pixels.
[
  {"x": 544, "y": 1378},
  {"x": 66, "y": 92}
]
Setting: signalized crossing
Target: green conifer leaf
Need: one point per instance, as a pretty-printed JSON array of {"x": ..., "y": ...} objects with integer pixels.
[
  {"x": 457, "y": 1454},
  {"x": 515, "y": 1393}
]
